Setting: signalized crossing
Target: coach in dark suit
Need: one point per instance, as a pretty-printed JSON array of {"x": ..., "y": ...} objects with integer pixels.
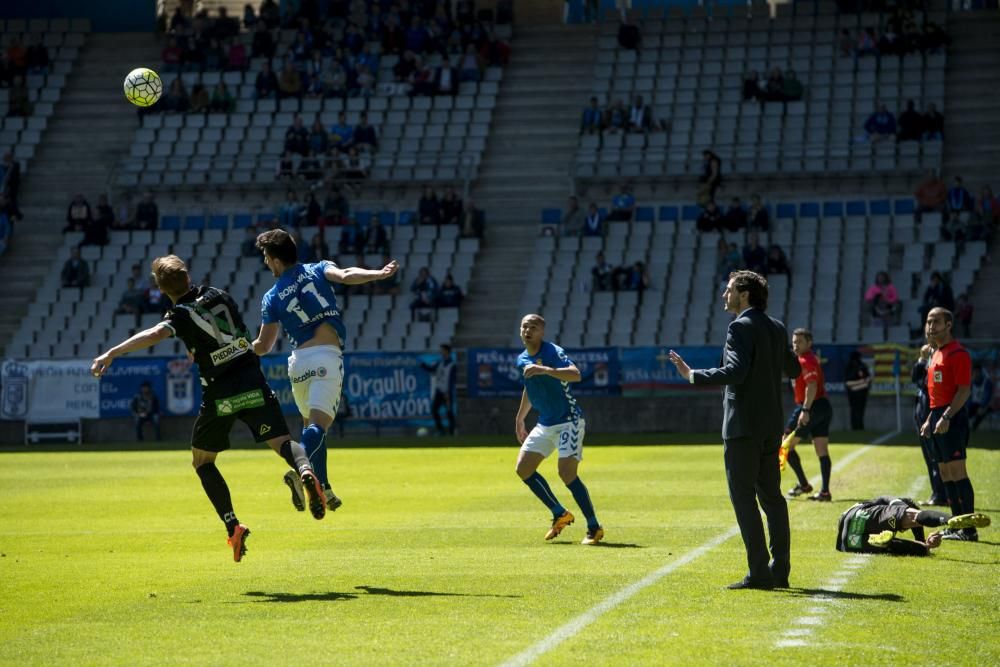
[{"x": 756, "y": 354}]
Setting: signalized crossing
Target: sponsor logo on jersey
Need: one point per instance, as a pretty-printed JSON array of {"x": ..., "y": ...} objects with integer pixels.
[
  {"x": 235, "y": 349},
  {"x": 938, "y": 376}
]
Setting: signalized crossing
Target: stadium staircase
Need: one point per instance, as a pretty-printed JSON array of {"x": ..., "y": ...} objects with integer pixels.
[
  {"x": 527, "y": 166},
  {"x": 90, "y": 131},
  {"x": 973, "y": 146}
]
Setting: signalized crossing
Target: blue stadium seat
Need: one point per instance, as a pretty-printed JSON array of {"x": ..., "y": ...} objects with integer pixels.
[
  {"x": 603, "y": 213},
  {"x": 551, "y": 216},
  {"x": 194, "y": 222},
  {"x": 242, "y": 220},
  {"x": 644, "y": 214},
  {"x": 363, "y": 217},
  {"x": 833, "y": 209},
  {"x": 406, "y": 217},
  {"x": 387, "y": 218},
  {"x": 264, "y": 218},
  {"x": 690, "y": 212},
  {"x": 903, "y": 206},
  {"x": 879, "y": 207},
  {"x": 857, "y": 208},
  {"x": 668, "y": 213},
  {"x": 809, "y": 209},
  {"x": 785, "y": 211},
  {"x": 170, "y": 223},
  {"x": 218, "y": 222}
]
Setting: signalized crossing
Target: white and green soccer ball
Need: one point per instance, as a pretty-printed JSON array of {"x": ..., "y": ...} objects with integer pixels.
[{"x": 143, "y": 87}]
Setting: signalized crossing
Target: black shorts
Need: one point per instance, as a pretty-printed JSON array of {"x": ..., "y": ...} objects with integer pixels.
[
  {"x": 820, "y": 416},
  {"x": 856, "y": 525},
  {"x": 950, "y": 446},
  {"x": 242, "y": 394}
]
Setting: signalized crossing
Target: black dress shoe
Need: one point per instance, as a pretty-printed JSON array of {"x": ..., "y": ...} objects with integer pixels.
[
  {"x": 747, "y": 582},
  {"x": 781, "y": 583}
]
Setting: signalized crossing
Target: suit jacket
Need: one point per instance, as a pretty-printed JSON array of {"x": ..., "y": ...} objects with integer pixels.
[{"x": 756, "y": 355}]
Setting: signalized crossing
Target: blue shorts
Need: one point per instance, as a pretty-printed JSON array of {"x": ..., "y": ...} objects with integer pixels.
[
  {"x": 820, "y": 416},
  {"x": 950, "y": 446}
]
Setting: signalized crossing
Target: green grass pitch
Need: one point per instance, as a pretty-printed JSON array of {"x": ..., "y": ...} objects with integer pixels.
[{"x": 437, "y": 558}]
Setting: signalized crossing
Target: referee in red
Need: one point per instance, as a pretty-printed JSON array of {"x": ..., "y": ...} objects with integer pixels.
[{"x": 949, "y": 380}]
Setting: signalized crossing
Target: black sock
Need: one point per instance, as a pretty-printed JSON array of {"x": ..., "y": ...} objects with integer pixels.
[
  {"x": 294, "y": 455},
  {"x": 217, "y": 491},
  {"x": 932, "y": 518},
  {"x": 582, "y": 497},
  {"x": 967, "y": 495},
  {"x": 824, "y": 469},
  {"x": 540, "y": 488},
  {"x": 951, "y": 490},
  {"x": 796, "y": 463}
]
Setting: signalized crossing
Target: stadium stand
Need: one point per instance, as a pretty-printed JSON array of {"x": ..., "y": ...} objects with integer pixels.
[{"x": 835, "y": 249}]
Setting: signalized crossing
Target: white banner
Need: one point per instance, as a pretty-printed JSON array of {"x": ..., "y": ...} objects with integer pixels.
[{"x": 49, "y": 391}]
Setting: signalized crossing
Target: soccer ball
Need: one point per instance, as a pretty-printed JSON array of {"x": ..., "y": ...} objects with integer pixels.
[{"x": 143, "y": 87}]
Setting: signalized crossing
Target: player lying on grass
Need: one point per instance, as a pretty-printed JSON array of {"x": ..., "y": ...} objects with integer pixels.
[
  {"x": 207, "y": 320},
  {"x": 871, "y": 527}
]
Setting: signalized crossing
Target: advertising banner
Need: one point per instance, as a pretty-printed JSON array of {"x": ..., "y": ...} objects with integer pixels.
[
  {"x": 49, "y": 391},
  {"x": 174, "y": 381},
  {"x": 493, "y": 372}
]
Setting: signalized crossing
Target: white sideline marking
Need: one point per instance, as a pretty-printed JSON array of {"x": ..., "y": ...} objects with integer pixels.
[
  {"x": 834, "y": 584},
  {"x": 576, "y": 625}
]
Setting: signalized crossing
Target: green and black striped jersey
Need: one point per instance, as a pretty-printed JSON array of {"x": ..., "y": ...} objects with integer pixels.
[{"x": 208, "y": 321}]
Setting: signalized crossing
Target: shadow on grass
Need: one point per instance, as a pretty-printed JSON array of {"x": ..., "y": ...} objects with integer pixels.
[
  {"x": 605, "y": 545},
  {"x": 366, "y": 590},
  {"x": 840, "y": 595},
  {"x": 375, "y": 590},
  {"x": 991, "y": 563}
]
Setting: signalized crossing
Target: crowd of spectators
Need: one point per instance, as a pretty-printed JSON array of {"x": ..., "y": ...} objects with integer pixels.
[
  {"x": 911, "y": 125},
  {"x": 140, "y": 296},
  {"x": 96, "y": 222},
  {"x": 449, "y": 209},
  {"x": 963, "y": 217},
  {"x": 736, "y": 218},
  {"x": 343, "y": 152},
  {"x": 619, "y": 118},
  {"x": 10, "y": 188},
  {"x": 16, "y": 63},
  {"x": 778, "y": 86},
  {"x": 428, "y": 294},
  {"x": 753, "y": 257},
  {"x": 901, "y": 36},
  {"x": 629, "y": 277}
]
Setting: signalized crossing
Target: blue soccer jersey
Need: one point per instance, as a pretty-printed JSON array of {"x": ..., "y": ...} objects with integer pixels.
[
  {"x": 301, "y": 300},
  {"x": 551, "y": 397}
]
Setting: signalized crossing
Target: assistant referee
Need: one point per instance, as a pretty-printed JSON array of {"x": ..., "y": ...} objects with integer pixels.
[{"x": 949, "y": 380}]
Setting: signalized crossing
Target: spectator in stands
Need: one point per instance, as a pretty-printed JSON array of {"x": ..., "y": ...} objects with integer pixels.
[
  {"x": 96, "y": 231},
  {"x": 470, "y": 67},
  {"x": 225, "y": 26},
  {"x": 735, "y": 218},
  {"x": 774, "y": 86},
  {"x": 75, "y": 272},
  {"x": 959, "y": 205},
  {"x": 405, "y": 67},
  {"x": 176, "y": 100},
  {"x": 572, "y": 219},
  {"x": 777, "y": 262},
  {"x": 37, "y": 58},
  {"x": 156, "y": 302},
  {"x": 266, "y": 83},
  {"x": 222, "y": 99},
  {"x": 616, "y": 118},
  {"x": 881, "y": 125},
  {"x": 752, "y": 86},
  {"x": 963, "y": 315},
  {"x": 711, "y": 177},
  {"x": 262, "y": 45},
  {"x": 319, "y": 140},
  {"x": 249, "y": 248},
  {"x": 200, "y": 99},
  {"x": 640, "y": 116},
  {"x": 354, "y": 165},
  {"x": 728, "y": 258},
  {"x": 637, "y": 278},
  {"x": 845, "y": 45},
  {"x": 710, "y": 219},
  {"x": 758, "y": 218},
  {"x": 311, "y": 168},
  {"x": 318, "y": 249},
  {"x": 287, "y": 167},
  {"x": 882, "y": 293},
  {"x": 17, "y": 56},
  {"x": 451, "y": 208},
  {"x": 333, "y": 80},
  {"x": 236, "y": 56},
  {"x": 417, "y": 38},
  {"x": 473, "y": 220},
  {"x": 269, "y": 14},
  {"x": 931, "y": 195},
  {"x": 335, "y": 206},
  {"x": 213, "y": 56},
  {"x": 313, "y": 210},
  {"x": 911, "y": 124},
  {"x": 791, "y": 88},
  {"x": 388, "y": 285},
  {"x": 446, "y": 79},
  {"x": 987, "y": 209},
  {"x": 937, "y": 295},
  {"x": 147, "y": 214},
  {"x": 867, "y": 44},
  {"x": 78, "y": 214},
  {"x": 622, "y": 206},
  {"x": 629, "y": 37},
  {"x": 933, "y": 124},
  {"x": 290, "y": 212},
  {"x": 145, "y": 408},
  {"x": 365, "y": 137},
  {"x": 18, "y": 103},
  {"x": 352, "y": 237},
  {"x": 131, "y": 300},
  {"x": 377, "y": 238},
  {"x": 424, "y": 290},
  {"x": 6, "y": 229},
  {"x": 290, "y": 82},
  {"x": 10, "y": 184},
  {"x": 593, "y": 222},
  {"x": 172, "y": 56},
  {"x": 341, "y": 134},
  {"x": 450, "y": 294},
  {"x": 365, "y": 82},
  {"x": 297, "y": 137},
  {"x": 754, "y": 256},
  {"x": 429, "y": 208},
  {"x": 592, "y": 120},
  {"x": 142, "y": 281},
  {"x": 601, "y": 273}
]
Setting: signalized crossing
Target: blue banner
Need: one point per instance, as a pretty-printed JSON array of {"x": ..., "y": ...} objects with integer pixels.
[
  {"x": 493, "y": 372},
  {"x": 174, "y": 381},
  {"x": 646, "y": 369}
]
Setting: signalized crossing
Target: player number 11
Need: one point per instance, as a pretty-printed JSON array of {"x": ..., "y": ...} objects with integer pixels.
[{"x": 310, "y": 288}]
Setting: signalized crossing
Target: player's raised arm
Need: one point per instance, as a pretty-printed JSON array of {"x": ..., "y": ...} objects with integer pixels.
[
  {"x": 266, "y": 339},
  {"x": 356, "y": 276},
  {"x": 140, "y": 341}
]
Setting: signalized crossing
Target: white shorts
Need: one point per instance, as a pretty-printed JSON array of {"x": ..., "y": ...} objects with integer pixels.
[
  {"x": 567, "y": 438},
  {"x": 317, "y": 377}
]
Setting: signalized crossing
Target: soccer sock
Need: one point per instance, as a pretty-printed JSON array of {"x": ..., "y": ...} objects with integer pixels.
[
  {"x": 540, "y": 488},
  {"x": 294, "y": 455},
  {"x": 951, "y": 489},
  {"x": 217, "y": 491},
  {"x": 312, "y": 440},
  {"x": 824, "y": 469},
  {"x": 796, "y": 463},
  {"x": 967, "y": 495},
  {"x": 582, "y": 497},
  {"x": 932, "y": 518}
]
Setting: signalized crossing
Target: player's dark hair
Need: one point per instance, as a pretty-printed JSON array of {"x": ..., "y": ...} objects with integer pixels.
[
  {"x": 280, "y": 245},
  {"x": 944, "y": 313},
  {"x": 536, "y": 318},
  {"x": 446, "y": 347},
  {"x": 171, "y": 275},
  {"x": 805, "y": 333},
  {"x": 752, "y": 283}
]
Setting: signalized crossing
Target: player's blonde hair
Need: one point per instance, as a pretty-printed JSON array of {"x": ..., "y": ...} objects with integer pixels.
[{"x": 171, "y": 275}]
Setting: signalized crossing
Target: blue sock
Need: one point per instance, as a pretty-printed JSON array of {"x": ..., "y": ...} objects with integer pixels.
[
  {"x": 312, "y": 440},
  {"x": 540, "y": 488},
  {"x": 582, "y": 497}
]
